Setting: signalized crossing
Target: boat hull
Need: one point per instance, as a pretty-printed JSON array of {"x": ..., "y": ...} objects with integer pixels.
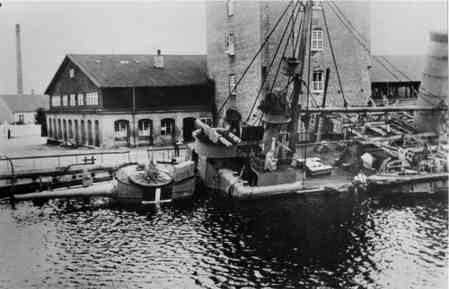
[{"x": 181, "y": 186}]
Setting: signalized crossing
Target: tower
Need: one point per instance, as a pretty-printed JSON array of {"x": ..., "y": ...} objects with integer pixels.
[{"x": 237, "y": 29}]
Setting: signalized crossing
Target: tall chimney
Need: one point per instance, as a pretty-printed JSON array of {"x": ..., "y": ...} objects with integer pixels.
[
  {"x": 19, "y": 61},
  {"x": 433, "y": 89}
]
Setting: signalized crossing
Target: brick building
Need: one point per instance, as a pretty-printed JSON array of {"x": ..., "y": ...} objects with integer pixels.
[
  {"x": 236, "y": 30},
  {"x": 128, "y": 100}
]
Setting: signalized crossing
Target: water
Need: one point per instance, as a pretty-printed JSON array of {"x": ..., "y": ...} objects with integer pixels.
[{"x": 282, "y": 243}]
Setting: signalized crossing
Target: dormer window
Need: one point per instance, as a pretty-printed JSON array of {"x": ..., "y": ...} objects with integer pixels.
[
  {"x": 71, "y": 73},
  {"x": 230, "y": 7},
  {"x": 230, "y": 44},
  {"x": 317, "y": 39}
]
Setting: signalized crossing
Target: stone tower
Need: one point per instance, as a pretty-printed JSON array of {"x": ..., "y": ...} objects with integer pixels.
[{"x": 236, "y": 30}]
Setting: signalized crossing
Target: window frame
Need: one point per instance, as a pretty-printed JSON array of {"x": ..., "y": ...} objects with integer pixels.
[
  {"x": 230, "y": 43},
  {"x": 230, "y": 7},
  {"x": 92, "y": 98},
  {"x": 121, "y": 127},
  {"x": 80, "y": 96},
  {"x": 232, "y": 84},
  {"x": 318, "y": 85},
  {"x": 72, "y": 99},
  {"x": 55, "y": 101},
  {"x": 65, "y": 100},
  {"x": 71, "y": 73},
  {"x": 170, "y": 130},
  {"x": 206, "y": 120},
  {"x": 317, "y": 41}
]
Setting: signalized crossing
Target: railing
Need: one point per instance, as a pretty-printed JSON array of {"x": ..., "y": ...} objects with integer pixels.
[{"x": 103, "y": 158}]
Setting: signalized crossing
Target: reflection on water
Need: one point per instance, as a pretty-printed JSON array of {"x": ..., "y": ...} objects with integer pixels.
[{"x": 282, "y": 243}]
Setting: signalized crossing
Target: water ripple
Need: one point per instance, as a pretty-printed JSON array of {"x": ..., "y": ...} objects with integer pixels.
[{"x": 286, "y": 243}]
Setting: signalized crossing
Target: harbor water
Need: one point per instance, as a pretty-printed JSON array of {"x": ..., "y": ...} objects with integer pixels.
[{"x": 290, "y": 242}]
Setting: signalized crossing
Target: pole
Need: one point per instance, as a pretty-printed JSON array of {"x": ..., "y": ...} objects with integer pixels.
[
  {"x": 134, "y": 116},
  {"x": 323, "y": 104},
  {"x": 297, "y": 78}
]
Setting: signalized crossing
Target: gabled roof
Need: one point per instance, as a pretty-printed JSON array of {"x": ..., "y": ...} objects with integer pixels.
[
  {"x": 411, "y": 65},
  {"x": 127, "y": 70},
  {"x": 25, "y": 102}
]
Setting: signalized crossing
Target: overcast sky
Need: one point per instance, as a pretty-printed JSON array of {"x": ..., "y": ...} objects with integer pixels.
[{"x": 50, "y": 30}]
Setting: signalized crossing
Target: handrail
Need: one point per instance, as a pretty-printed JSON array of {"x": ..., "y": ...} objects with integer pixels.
[{"x": 69, "y": 155}]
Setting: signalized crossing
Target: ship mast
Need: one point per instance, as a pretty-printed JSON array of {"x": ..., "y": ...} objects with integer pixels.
[{"x": 297, "y": 78}]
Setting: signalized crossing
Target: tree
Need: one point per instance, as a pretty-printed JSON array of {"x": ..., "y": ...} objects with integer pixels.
[{"x": 41, "y": 118}]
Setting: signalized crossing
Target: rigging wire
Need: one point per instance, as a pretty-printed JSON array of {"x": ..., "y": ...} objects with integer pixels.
[
  {"x": 295, "y": 16},
  {"x": 286, "y": 28},
  {"x": 284, "y": 51},
  {"x": 359, "y": 36},
  {"x": 306, "y": 122},
  {"x": 255, "y": 56},
  {"x": 345, "y": 103}
]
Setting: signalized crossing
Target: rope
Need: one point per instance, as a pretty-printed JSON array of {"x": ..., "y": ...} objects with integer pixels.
[{"x": 255, "y": 56}]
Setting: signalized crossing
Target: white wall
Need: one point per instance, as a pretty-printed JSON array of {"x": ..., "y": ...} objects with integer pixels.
[
  {"x": 28, "y": 117},
  {"x": 20, "y": 130}
]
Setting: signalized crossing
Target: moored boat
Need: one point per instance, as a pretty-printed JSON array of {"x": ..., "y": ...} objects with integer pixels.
[{"x": 151, "y": 183}]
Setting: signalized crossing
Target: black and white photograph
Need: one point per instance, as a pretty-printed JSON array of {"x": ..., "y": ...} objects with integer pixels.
[{"x": 224, "y": 144}]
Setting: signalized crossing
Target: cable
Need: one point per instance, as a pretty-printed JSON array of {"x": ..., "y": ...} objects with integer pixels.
[
  {"x": 345, "y": 103},
  {"x": 255, "y": 56},
  {"x": 286, "y": 28},
  {"x": 285, "y": 50},
  {"x": 358, "y": 35}
]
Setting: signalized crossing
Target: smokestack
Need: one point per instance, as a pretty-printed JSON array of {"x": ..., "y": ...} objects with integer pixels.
[
  {"x": 433, "y": 89},
  {"x": 19, "y": 61}
]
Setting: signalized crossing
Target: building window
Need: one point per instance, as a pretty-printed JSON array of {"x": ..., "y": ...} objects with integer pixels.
[
  {"x": 92, "y": 98},
  {"x": 72, "y": 99},
  {"x": 121, "y": 128},
  {"x": 318, "y": 81},
  {"x": 232, "y": 88},
  {"x": 70, "y": 129},
  {"x": 80, "y": 99},
  {"x": 230, "y": 7},
  {"x": 317, "y": 39},
  {"x": 55, "y": 100},
  {"x": 65, "y": 100},
  {"x": 168, "y": 126},
  {"x": 230, "y": 44},
  {"x": 145, "y": 127},
  {"x": 71, "y": 73},
  {"x": 207, "y": 120},
  {"x": 316, "y": 4}
]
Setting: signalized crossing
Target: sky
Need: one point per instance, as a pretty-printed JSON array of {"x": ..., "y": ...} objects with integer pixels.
[{"x": 52, "y": 29}]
